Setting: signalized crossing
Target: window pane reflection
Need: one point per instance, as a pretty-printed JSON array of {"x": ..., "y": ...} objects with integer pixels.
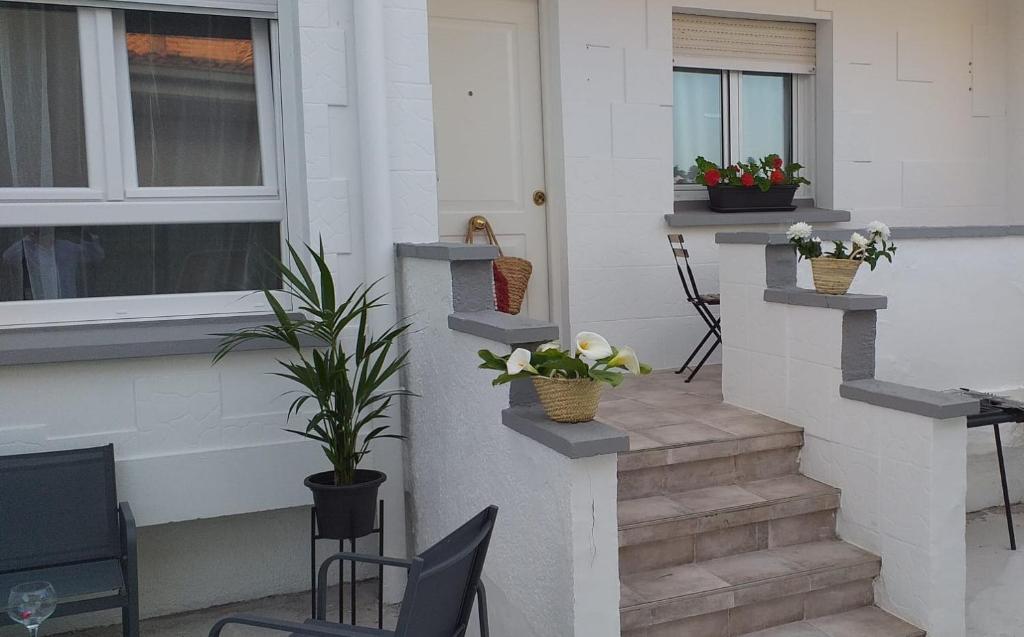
[
  {"x": 766, "y": 108},
  {"x": 64, "y": 262},
  {"x": 193, "y": 89},
  {"x": 698, "y": 121}
]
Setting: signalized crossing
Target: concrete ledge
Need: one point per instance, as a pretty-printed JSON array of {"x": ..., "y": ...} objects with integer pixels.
[
  {"x": 129, "y": 339},
  {"x": 442, "y": 251},
  {"x": 503, "y": 328},
  {"x": 577, "y": 440},
  {"x": 810, "y": 298},
  {"x": 910, "y": 232},
  {"x": 691, "y": 214},
  {"x": 914, "y": 400}
]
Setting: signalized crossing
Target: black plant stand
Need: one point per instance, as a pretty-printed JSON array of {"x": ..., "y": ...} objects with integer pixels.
[{"x": 314, "y": 536}]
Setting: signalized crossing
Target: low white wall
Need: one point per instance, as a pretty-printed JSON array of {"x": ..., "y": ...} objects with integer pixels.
[
  {"x": 552, "y": 568},
  {"x": 902, "y": 476},
  {"x": 954, "y": 320}
]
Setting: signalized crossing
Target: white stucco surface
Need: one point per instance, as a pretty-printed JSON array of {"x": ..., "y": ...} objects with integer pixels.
[
  {"x": 902, "y": 476},
  {"x": 552, "y": 568}
]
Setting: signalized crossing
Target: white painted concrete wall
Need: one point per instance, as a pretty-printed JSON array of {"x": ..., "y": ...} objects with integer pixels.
[
  {"x": 954, "y": 321},
  {"x": 201, "y": 452},
  {"x": 552, "y": 568},
  {"x": 916, "y": 135},
  {"x": 902, "y": 476}
]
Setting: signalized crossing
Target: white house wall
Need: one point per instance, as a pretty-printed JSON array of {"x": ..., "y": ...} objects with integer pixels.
[
  {"x": 918, "y": 135},
  {"x": 200, "y": 449}
]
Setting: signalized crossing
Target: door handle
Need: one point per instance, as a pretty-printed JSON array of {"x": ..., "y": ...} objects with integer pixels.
[{"x": 539, "y": 198}]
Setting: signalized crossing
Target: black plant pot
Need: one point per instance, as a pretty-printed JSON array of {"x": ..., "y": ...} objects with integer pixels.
[
  {"x": 345, "y": 511},
  {"x": 752, "y": 199}
]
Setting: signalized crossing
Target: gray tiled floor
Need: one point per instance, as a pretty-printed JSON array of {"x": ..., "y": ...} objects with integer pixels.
[{"x": 291, "y": 607}]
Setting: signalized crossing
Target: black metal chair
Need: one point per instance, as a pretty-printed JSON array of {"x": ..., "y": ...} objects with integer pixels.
[
  {"x": 701, "y": 302},
  {"x": 442, "y": 583},
  {"x": 60, "y": 522}
]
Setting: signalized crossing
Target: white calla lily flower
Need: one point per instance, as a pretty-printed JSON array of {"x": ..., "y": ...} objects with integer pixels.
[
  {"x": 592, "y": 346},
  {"x": 627, "y": 358},
  {"x": 519, "y": 361},
  {"x": 549, "y": 345}
]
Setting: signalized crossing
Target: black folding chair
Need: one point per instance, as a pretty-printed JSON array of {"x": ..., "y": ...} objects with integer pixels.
[
  {"x": 60, "y": 522},
  {"x": 701, "y": 302},
  {"x": 442, "y": 583}
]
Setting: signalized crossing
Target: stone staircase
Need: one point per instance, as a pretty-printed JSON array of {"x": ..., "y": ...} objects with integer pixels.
[{"x": 720, "y": 535}]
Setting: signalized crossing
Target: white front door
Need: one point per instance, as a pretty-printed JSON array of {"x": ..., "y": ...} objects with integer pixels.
[{"x": 485, "y": 71}]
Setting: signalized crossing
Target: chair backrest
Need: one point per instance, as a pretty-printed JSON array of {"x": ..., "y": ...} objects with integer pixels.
[
  {"x": 57, "y": 508},
  {"x": 679, "y": 251},
  {"x": 443, "y": 581}
]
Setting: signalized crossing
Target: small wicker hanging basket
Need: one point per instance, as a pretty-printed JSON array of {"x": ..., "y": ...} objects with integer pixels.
[
  {"x": 568, "y": 399},
  {"x": 833, "y": 276},
  {"x": 511, "y": 274}
]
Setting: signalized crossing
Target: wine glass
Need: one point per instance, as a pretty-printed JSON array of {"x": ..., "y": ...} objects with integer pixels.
[{"x": 31, "y": 603}]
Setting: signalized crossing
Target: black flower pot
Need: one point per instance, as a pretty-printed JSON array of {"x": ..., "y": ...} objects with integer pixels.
[
  {"x": 345, "y": 511},
  {"x": 752, "y": 199}
]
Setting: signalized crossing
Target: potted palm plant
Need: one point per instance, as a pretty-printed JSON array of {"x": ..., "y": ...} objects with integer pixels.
[{"x": 341, "y": 370}]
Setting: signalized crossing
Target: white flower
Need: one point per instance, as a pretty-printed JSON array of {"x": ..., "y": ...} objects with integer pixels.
[
  {"x": 816, "y": 239},
  {"x": 550, "y": 345},
  {"x": 593, "y": 346},
  {"x": 626, "y": 357},
  {"x": 799, "y": 230},
  {"x": 858, "y": 240},
  {"x": 880, "y": 229},
  {"x": 519, "y": 361}
]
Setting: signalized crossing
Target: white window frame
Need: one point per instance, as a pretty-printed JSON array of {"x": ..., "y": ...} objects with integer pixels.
[
  {"x": 802, "y": 127},
  {"x": 113, "y": 197}
]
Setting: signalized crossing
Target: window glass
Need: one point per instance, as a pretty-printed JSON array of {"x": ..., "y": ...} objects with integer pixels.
[
  {"x": 193, "y": 89},
  {"x": 42, "y": 130},
  {"x": 698, "y": 121},
  {"x": 64, "y": 262},
  {"x": 766, "y": 109}
]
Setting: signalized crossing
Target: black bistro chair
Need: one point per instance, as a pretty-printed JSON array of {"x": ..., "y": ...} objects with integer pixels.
[
  {"x": 700, "y": 302},
  {"x": 60, "y": 522},
  {"x": 442, "y": 583}
]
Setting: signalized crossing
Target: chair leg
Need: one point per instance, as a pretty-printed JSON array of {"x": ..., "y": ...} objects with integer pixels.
[
  {"x": 130, "y": 617},
  {"x": 1006, "y": 491},
  {"x": 481, "y": 609},
  {"x": 710, "y": 351},
  {"x": 696, "y": 350}
]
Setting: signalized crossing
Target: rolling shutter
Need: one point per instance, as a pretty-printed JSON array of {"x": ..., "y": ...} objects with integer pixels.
[
  {"x": 248, "y": 8},
  {"x": 740, "y": 44}
]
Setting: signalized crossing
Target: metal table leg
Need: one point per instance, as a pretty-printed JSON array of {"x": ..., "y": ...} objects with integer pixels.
[{"x": 1006, "y": 491}]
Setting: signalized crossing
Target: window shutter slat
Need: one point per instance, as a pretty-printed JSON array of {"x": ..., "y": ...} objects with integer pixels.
[
  {"x": 741, "y": 44},
  {"x": 249, "y": 8}
]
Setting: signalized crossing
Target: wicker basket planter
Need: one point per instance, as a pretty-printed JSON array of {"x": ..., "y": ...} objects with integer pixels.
[
  {"x": 568, "y": 400},
  {"x": 833, "y": 276}
]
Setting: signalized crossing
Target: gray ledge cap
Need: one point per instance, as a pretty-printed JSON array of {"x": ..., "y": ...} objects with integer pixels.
[
  {"x": 910, "y": 232},
  {"x": 577, "y": 440},
  {"x": 126, "y": 339},
  {"x": 914, "y": 400},
  {"x": 810, "y": 298},
  {"x": 689, "y": 214},
  {"x": 503, "y": 328},
  {"x": 441, "y": 251}
]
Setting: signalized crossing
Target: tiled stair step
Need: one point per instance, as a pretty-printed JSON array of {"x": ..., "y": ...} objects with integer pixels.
[
  {"x": 674, "y": 477},
  {"x": 749, "y": 591},
  {"x": 703, "y": 524},
  {"x": 749, "y": 436},
  {"x": 869, "y": 621}
]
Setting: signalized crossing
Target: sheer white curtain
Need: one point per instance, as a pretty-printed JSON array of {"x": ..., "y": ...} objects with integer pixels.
[{"x": 42, "y": 135}]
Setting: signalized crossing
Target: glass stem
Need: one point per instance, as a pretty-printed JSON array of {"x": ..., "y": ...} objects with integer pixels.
[{"x": 33, "y": 631}]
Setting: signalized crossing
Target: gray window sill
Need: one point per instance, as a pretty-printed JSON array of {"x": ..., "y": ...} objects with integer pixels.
[
  {"x": 691, "y": 214},
  {"x": 130, "y": 339}
]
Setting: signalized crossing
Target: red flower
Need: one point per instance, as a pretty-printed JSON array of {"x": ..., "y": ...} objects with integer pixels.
[
  {"x": 776, "y": 162},
  {"x": 25, "y": 614},
  {"x": 778, "y": 176},
  {"x": 712, "y": 177},
  {"x": 747, "y": 179}
]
